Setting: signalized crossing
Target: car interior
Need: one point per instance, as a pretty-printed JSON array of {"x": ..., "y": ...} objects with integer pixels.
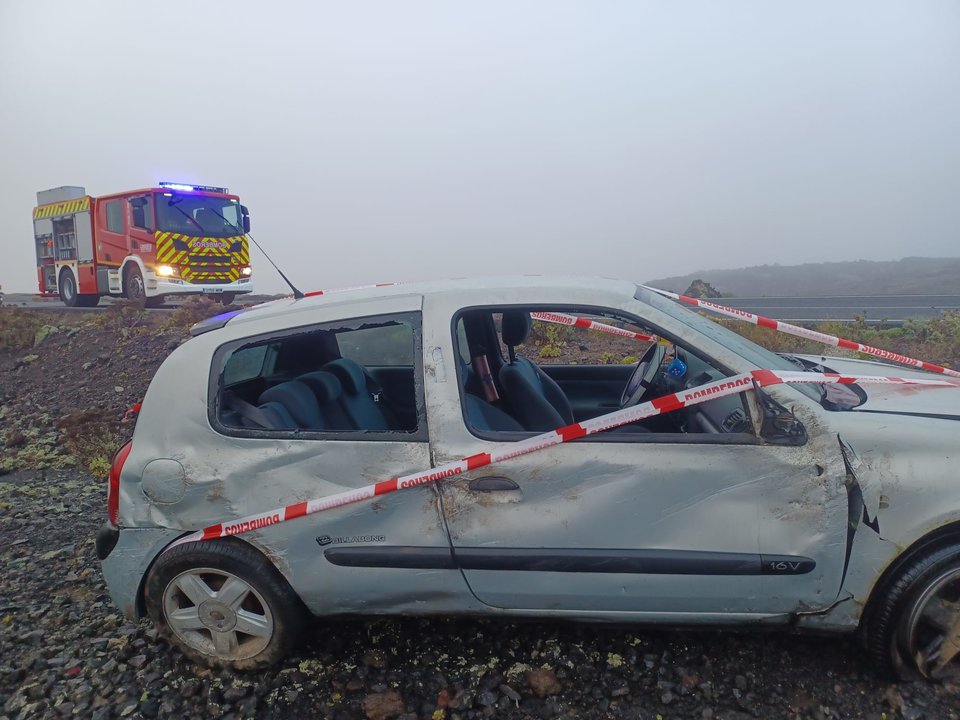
[
  {"x": 516, "y": 376},
  {"x": 315, "y": 381},
  {"x": 519, "y": 376}
]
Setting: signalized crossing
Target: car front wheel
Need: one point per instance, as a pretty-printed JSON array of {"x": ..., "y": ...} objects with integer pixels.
[
  {"x": 915, "y": 626},
  {"x": 224, "y": 605}
]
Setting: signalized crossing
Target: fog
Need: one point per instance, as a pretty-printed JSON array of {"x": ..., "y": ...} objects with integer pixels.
[{"x": 395, "y": 141}]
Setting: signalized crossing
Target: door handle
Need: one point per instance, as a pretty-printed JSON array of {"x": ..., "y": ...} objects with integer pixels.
[{"x": 492, "y": 483}]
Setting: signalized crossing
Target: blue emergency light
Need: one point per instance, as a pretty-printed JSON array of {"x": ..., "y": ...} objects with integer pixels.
[{"x": 191, "y": 188}]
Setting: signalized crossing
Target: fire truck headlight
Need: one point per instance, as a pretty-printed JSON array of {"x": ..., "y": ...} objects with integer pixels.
[
  {"x": 247, "y": 271},
  {"x": 167, "y": 271}
]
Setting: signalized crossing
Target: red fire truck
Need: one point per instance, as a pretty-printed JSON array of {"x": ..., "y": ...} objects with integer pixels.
[{"x": 174, "y": 239}]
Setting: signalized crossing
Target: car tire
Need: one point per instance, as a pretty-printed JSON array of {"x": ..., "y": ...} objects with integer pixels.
[
  {"x": 917, "y": 618},
  {"x": 67, "y": 287},
  {"x": 133, "y": 286},
  {"x": 203, "y": 624}
]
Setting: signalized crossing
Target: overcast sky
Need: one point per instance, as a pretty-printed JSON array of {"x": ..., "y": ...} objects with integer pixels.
[{"x": 385, "y": 141}]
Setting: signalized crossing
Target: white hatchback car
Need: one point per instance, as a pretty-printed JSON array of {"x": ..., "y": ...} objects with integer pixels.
[{"x": 806, "y": 507}]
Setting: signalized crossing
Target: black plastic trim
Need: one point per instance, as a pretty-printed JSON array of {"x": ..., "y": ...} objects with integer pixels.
[
  {"x": 403, "y": 556},
  {"x": 493, "y": 483},
  {"x": 935, "y": 416},
  {"x": 107, "y": 537},
  {"x": 604, "y": 560}
]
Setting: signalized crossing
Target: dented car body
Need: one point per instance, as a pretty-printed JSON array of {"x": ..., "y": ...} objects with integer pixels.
[{"x": 775, "y": 507}]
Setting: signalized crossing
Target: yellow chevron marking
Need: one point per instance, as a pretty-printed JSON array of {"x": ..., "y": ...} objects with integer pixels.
[
  {"x": 65, "y": 207},
  {"x": 216, "y": 253}
]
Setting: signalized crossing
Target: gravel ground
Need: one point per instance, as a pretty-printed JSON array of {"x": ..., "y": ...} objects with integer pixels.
[{"x": 66, "y": 652}]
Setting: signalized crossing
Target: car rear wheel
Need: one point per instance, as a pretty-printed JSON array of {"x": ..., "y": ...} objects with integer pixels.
[
  {"x": 915, "y": 626},
  {"x": 224, "y": 605}
]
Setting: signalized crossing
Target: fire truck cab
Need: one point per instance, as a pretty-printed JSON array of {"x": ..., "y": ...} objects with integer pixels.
[{"x": 174, "y": 239}]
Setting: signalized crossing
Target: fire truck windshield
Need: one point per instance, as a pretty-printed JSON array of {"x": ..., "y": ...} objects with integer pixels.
[{"x": 198, "y": 215}]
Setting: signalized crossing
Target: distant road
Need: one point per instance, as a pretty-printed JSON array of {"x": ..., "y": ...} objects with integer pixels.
[
  {"x": 893, "y": 309},
  {"x": 36, "y": 302},
  {"x": 874, "y": 308}
]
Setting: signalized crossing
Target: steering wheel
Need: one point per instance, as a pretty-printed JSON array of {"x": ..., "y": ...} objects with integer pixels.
[{"x": 643, "y": 374}]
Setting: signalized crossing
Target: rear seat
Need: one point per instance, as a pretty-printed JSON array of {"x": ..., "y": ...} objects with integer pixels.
[
  {"x": 364, "y": 413},
  {"x": 312, "y": 406},
  {"x": 329, "y": 394},
  {"x": 238, "y": 412},
  {"x": 273, "y": 415}
]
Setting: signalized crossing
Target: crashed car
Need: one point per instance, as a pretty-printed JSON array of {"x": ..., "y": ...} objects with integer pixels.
[{"x": 804, "y": 506}]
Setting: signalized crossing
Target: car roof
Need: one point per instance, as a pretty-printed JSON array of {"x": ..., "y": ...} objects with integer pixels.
[{"x": 516, "y": 283}]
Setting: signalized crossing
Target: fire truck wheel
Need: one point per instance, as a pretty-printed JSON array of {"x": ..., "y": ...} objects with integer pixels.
[
  {"x": 227, "y": 298},
  {"x": 67, "y": 286},
  {"x": 133, "y": 286}
]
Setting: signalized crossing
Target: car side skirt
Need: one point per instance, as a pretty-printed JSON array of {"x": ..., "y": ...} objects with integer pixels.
[{"x": 573, "y": 560}]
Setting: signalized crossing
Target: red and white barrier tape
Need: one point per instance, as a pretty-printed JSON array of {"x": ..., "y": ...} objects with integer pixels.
[
  {"x": 506, "y": 451},
  {"x": 803, "y": 332},
  {"x": 581, "y": 322},
  {"x": 742, "y": 315}
]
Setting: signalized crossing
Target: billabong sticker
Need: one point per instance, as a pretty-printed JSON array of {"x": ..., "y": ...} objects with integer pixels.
[{"x": 324, "y": 540}]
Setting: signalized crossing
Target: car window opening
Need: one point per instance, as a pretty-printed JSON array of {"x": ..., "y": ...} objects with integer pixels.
[
  {"x": 523, "y": 375},
  {"x": 334, "y": 379}
]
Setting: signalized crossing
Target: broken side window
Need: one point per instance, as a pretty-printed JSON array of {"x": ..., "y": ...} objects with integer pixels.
[
  {"x": 527, "y": 374},
  {"x": 358, "y": 378}
]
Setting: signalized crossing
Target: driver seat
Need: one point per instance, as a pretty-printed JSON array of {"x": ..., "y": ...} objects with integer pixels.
[{"x": 535, "y": 399}]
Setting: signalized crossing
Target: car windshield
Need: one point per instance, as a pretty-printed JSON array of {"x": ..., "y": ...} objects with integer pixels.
[
  {"x": 750, "y": 351},
  {"x": 198, "y": 215}
]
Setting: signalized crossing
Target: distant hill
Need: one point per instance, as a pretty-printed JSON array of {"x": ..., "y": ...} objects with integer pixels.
[{"x": 910, "y": 276}]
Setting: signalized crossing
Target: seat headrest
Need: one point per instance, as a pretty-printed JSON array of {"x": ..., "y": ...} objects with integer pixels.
[
  {"x": 350, "y": 375},
  {"x": 297, "y": 398},
  {"x": 514, "y": 327},
  {"x": 325, "y": 386}
]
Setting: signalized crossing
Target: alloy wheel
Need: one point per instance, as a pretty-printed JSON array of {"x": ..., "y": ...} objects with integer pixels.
[
  {"x": 218, "y": 613},
  {"x": 930, "y": 635}
]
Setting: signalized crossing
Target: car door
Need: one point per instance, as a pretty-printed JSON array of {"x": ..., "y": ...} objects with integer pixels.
[
  {"x": 349, "y": 558},
  {"x": 111, "y": 231},
  {"x": 671, "y": 526}
]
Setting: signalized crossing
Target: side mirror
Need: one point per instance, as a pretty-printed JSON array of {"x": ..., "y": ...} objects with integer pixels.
[
  {"x": 780, "y": 426},
  {"x": 246, "y": 218}
]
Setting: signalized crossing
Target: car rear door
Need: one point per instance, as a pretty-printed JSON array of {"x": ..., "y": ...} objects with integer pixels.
[{"x": 351, "y": 558}]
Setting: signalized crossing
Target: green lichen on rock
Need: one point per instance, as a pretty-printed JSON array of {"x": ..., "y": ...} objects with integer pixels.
[{"x": 43, "y": 332}]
